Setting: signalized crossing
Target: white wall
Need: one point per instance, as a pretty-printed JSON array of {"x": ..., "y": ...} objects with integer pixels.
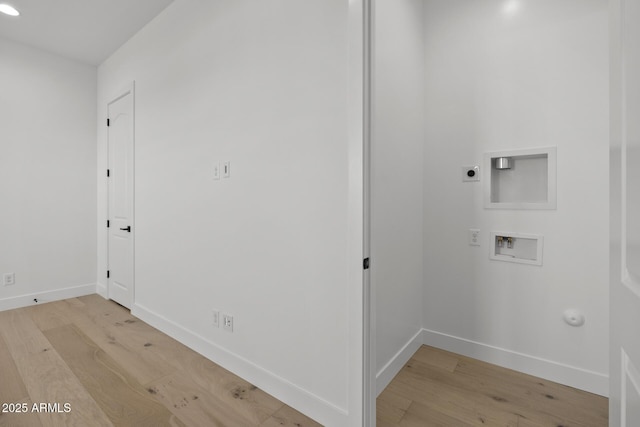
[
  {"x": 396, "y": 183},
  {"x": 508, "y": 75},
  {"x": 263, "y": 85},
  {"x": 47, "y": 175}
]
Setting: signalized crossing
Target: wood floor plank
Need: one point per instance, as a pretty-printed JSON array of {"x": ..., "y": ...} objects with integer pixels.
[
  {"x": 136, "y": 334},
  {"x": 22, "y": 419},
  {"x": 549, "y": 421},
  {"x": 418, "y": 415},
  {"x": 478, "y": 393},
  {"x": 489, "y": 392},
  {"x": 470, "y": 408},
  {"x": 121, "y": 397},
  {"x": 45, "y": 375},
  {"x": 21, "y": 334},
  {"x": 75, "y": 302},
  {"x": 12, "y": 387},
  {"x": 541, "y": 388},
  {"x": 256, "y": 405},
  {"x": 193, "y": 405},
  {"x": 49, "y": 315},
  {"x": 288, "y": 416},
  {"x": 50, "y": 381},
  {"x": 95, "y": 304},
  {"x": 124, "y": 337},
  {"x": 386, "y": 412},
  {"x": 538, "y": 398},
  {"x": 492, "y": 398},
  {"x": 437, "y": 358},
  {"x": 394, "y": 399},
  {"x": 390, "y": 408},
  {"x": 117, "y": 350},
  {"x": 144, "y": 365}
]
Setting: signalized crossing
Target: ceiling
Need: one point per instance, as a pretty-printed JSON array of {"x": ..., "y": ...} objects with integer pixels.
[{"x": 88, "y": 31}]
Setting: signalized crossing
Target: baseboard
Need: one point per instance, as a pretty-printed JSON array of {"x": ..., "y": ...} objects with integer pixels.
[
  {"x": 309, "y": 404},
  {"x": 572, "y": 376},
  {"x": 391, "y": 369},
  {"x": 47, "y": 296},
  {"x": 101, "y": 289}
]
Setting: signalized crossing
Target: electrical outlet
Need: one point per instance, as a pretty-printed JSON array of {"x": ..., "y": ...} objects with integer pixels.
[
  {"x": 227, "y": 322},
  {"x": 9, "y": 279},
  {"x": 215, "y": 318},
  {"x": 474, "y": 237},
  {"x": 216, "y": 170}
]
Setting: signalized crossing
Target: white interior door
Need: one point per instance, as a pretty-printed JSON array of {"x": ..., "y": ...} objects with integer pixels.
[
  {"x": 625, "y": 214},
  {"x": 120, "y": 131}
]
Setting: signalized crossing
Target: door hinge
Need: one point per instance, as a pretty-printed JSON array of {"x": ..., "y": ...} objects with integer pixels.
[
  {"x": 107, "y": 274},
  {"x": 365, "y": 264},
  {"x": 107, "y": 223},
  {"x": 108, "y": 172},
  {"x": 108, "y": 122}
]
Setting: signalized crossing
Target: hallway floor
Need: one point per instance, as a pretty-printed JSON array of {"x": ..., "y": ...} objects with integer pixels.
[{"x": 438, "y": 388}]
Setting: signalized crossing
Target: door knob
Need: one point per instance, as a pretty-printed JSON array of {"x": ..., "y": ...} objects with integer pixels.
[{"x": 127, "y": 229}]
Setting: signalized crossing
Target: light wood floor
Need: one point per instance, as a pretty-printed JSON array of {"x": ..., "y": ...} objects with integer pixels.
[
  {"x": 115, "y": 370},
  {"x": 437, "y": 388}
]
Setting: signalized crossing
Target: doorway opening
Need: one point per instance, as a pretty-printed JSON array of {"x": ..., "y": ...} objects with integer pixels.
[{"x": 451, "y": 83}]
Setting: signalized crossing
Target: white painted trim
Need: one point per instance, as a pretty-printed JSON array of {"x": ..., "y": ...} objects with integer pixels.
[
  {"x": 359, "y": 380},
  {"x": 309, "y": 404},
  {"x": 583, "y": 379},
  {"x": 629, "y": 372},
  {"x": 102, "y": 290},
  {"x": 48, "y": 296},
  {"x": 397, "y": 362},
  {"x": 369, "y": 391}
]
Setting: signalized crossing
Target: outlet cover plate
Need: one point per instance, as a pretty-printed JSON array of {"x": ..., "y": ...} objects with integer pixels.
[
  {"x": 474, "y": 237},
  {"x": 227, "y": 322},
  {"x": 215, "y": 318},
  {"x": 9, "y": 279}
]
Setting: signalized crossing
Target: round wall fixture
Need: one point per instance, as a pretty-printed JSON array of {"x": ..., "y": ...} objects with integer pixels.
[{"x": 574, "y": 317}]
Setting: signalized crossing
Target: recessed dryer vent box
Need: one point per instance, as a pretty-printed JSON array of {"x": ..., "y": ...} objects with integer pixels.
[
  {"x": 521, "y": 179},
  {"x": 516, "y": 247}
]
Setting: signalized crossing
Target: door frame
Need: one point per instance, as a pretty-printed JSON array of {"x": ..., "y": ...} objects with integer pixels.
[
  {"x": 369, "y": 294},
  {"x": 623, "y": 287},
  {"x": 361, "y": 388},
  {"x": 126, "y": 90}
]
